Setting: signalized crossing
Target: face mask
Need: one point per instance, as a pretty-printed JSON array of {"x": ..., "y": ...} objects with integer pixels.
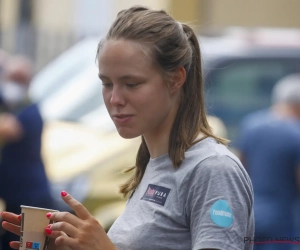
[{"x": 13, "y": 93}]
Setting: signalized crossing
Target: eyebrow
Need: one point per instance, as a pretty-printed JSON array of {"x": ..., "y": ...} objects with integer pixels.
[
  {"x": 125, "y": 77},
  {"x": 102, "y": 76}
]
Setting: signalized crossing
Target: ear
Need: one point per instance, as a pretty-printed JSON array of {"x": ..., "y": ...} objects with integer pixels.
[{"x": 177, "y": 79}]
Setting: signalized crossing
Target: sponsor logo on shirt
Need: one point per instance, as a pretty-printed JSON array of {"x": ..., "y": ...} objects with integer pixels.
[
  {"x": 156, "y": 194},
  {"x": 221, "y": 214}
]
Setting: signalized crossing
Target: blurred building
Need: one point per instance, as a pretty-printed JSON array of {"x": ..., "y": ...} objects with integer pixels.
[
  {"x": 267, "y": 13},
  {"x": 42, "y": 28}
]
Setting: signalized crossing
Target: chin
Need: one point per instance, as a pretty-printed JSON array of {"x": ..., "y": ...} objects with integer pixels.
[{"x": 124, "y": 133}]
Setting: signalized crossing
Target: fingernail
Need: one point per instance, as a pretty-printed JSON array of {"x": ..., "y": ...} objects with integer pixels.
[
  {"x": 48, "y": 215},
  {"x": 19, "y": 217},
  {"x": 48, "y": 231},
  {"x": 48, "y": 226},
  {"x": 64, "y": 193}
]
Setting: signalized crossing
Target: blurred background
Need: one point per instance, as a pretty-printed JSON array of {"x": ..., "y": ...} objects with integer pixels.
[
  {"x": 43, "y": 29},
  {"x": 246, "y": 47}
]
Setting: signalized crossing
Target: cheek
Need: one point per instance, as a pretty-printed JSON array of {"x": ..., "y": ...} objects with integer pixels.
[
  {"x": 153, "y": 103},
  {"x": 156, "y": 93},
  {"x": 106, "y": 98},
  {"x": 145, "y": 102}
]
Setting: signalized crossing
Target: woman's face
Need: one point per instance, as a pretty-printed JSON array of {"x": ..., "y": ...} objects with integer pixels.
[{"x": 135, "y": 94}]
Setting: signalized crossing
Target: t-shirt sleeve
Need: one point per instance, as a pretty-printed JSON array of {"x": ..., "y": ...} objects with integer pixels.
[{"x": 219, "y": 205}]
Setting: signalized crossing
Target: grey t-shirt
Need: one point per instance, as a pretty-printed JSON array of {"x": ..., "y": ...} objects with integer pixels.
[{"x": 206, "y": 203}]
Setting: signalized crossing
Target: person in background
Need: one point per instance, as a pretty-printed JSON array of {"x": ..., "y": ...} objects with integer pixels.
[
  {"x": 269, "y": 147},
  {"x": 3, "y": 61},
  {"x": 187, "y": 191},
  {"x": 16, "y": 78},
  {"x": 23, "y": 180},
  {"x": 3, "y": 58}
]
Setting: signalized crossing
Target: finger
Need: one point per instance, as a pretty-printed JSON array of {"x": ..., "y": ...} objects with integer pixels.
[
  {"x": 11, "y": 217},
  {"x": 63, "y": 228},
  {"x": 66, "y": 241},
  {"x": 64, "y": 217},
  {"x": 53, "y": 234},
  {"x": 14, "y": 244},
  {"x": 11, "y": 227},
  {"x": 78, "y": 208}
]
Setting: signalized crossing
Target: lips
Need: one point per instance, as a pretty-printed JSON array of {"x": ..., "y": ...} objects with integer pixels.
[{"x": 122, "y": 118}]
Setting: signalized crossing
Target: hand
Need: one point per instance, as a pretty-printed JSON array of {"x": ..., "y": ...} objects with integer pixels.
[
  {"x": 10, "y": 128},
  {"x": 81, "y": 232},
  {"x": 12, "y": 223}
]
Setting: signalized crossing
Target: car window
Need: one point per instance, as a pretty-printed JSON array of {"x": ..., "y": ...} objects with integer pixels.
[
  {"x": 75, "y": 98},
  {"x": 68, "y": 65},
  {"x": 68, "y": 88},
  {"x": 238, "y": 87}
]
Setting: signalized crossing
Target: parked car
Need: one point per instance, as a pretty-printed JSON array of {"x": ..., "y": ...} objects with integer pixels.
[
  {"x": 241, "y": 67},
  {"x": 83, "y": 152}
]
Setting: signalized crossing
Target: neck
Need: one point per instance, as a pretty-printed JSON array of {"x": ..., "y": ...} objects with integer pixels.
[
  {"x": 285, "y": 111},
  {"x": 157, "y": 145},
  {"x": 157, "y": 140}
]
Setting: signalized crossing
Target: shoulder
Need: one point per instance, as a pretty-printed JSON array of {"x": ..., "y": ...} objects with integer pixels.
[
  {"x": 209, "y": 156},
  {"x": 292, "y": 126},
  {"x": 256, "y": 119},
  {"x": 206, "y": 149},
  {"x": 221, "y": 166},
  {"x": 31, "y": 119},
  {"x": 219, "y": 174},
  {"x": 31, "y": 110}
]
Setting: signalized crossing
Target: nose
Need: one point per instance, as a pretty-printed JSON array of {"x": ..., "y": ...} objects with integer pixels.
[{"x": 117, "y": 97}]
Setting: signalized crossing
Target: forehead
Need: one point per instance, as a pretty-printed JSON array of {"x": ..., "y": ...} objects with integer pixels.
[{"x": 121, "y": 56}]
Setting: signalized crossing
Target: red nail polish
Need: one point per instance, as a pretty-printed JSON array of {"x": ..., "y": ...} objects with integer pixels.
[
  {"x": 48, "y": 231},
  {"x": 48, "y": 226},
  {"x": 64, "y": 193},
  {"x": 48, "y": 215}
]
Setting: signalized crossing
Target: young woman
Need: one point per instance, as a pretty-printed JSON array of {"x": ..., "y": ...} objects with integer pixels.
[{"x": 187, "y": 191}]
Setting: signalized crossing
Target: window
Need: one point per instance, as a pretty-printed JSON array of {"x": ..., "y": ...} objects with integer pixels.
[{"x": 238, "y": 87}]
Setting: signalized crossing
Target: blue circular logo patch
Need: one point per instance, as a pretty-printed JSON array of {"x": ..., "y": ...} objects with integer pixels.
[{"x": 221, "y": 214}]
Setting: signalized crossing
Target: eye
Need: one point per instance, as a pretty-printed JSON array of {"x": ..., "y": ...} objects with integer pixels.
[
  {"x": 107, "y": 85},
  {"x": 132, "y": 85}
]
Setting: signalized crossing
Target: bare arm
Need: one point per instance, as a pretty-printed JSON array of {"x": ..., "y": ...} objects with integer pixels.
[{"x": 10, "y": 128}]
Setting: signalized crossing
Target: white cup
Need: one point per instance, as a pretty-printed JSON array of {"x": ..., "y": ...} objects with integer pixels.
[{"x": 34, "y": 222}]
